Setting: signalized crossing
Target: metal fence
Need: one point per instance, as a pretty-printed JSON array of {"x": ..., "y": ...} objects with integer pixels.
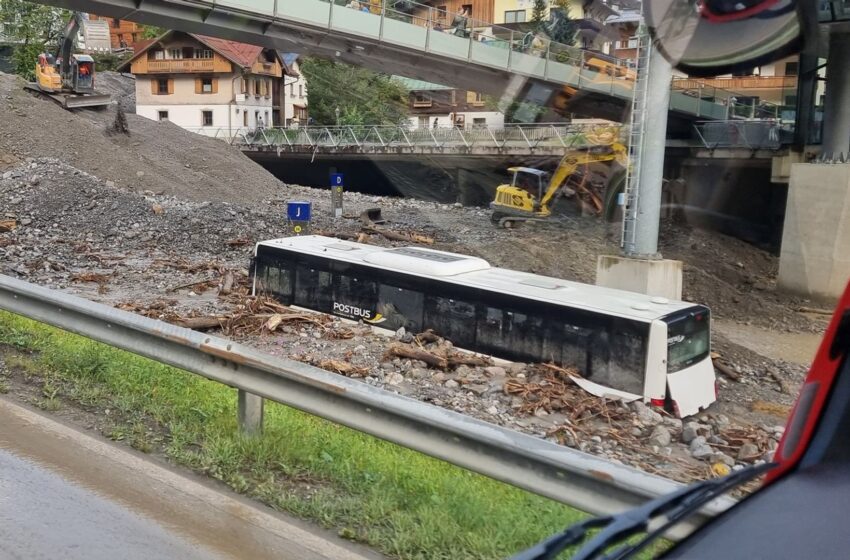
[
  {"x": 756, "y": 134},
  {"x": 589, "y": 483},
  {"x": 376, "y": 138}
]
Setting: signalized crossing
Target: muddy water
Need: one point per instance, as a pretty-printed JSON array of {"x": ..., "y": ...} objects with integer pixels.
[
  {"x": 66, "y": 495},
  {"x": 798, "y": 348}
]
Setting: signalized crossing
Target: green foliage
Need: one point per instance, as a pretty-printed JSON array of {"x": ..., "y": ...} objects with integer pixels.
[
  {"x": 109, "y": 61},
  {"x": 152, "y": 31},
  {"x": 561, "y": 28},
  {"x": 523, "y": 112},
  {"x": 362, "y": 96},
  {"x": 33, "y": 28},
  {"x": 407, "y": 505},
  {"x": 538, "y": 12}
]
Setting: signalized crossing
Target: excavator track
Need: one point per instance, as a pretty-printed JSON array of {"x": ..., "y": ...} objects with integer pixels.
[{"x": 72, "y": 101}]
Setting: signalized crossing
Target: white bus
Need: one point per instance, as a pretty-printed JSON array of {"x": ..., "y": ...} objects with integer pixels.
[{"x": 625, "y": 344}]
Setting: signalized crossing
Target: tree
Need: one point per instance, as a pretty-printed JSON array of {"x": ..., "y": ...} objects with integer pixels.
[
  {"x": 363, "y": 97},
  {"x": 152, "y": 31},
  {"x": 538, "y": 13},
  {"x": 561, "y": 28},
  {"x": 32, "y": 28}
]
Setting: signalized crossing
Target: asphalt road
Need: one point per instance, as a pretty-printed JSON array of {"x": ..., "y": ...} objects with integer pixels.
[{"x": 65, "y": 494}]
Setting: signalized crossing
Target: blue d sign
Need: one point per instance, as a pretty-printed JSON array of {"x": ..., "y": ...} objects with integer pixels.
[
  {"x": 298, "y": 211},
  {"x": 336, "y": 179}
]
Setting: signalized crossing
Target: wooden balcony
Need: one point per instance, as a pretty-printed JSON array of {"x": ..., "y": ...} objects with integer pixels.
[
  {"x": 181, "y": 66},
  {"x": 739, "y": 83},
  {"x": 267, "y": 69}
]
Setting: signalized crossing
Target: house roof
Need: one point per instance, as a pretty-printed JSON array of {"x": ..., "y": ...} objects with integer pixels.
[
  {"x": 241, "y": 54},
  {"x": 419, "y": 85},
  {"x": 289, "y": 60}
]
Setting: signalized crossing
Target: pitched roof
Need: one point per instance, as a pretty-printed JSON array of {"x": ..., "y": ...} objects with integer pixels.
[{"x": 241, "y": 54}]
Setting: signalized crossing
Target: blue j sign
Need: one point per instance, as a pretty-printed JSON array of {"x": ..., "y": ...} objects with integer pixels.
[{"x": 299, "y": 211}]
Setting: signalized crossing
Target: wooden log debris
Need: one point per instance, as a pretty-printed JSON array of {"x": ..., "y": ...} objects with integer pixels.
[{"x": 404, "y": 351}]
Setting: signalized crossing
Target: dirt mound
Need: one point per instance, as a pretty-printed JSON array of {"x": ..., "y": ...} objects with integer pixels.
[
  {"x": 122, "y": 87},
  {"x": 157, "y": 157}
]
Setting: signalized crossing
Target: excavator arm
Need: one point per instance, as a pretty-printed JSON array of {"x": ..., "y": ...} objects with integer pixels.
[{"x": 571, "y": 161}]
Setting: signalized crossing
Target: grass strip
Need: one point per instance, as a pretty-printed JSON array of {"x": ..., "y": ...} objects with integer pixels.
[{"x": 400, "y": 502}]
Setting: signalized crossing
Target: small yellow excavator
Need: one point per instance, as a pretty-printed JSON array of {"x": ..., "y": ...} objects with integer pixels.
[
  {"x": 529, "y": 196},
  {"x": 68, "y": 78}
]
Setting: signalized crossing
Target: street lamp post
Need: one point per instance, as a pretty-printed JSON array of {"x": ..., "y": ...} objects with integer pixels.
[{"x": 337, "y": 115}]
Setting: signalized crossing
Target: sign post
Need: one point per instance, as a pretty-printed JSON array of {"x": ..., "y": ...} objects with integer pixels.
[
  {"x": 336, "y": 194},
  {"x": 298, "y": 216}
]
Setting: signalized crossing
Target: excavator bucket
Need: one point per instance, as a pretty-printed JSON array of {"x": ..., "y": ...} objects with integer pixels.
[{"x": 372, "y": 216}]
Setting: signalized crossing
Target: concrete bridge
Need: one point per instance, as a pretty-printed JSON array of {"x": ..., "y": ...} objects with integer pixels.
[{"x": 491, "y": 59}]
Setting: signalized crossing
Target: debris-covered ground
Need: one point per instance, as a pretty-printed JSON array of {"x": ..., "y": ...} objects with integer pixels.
[{"x": 83, "y": 224}]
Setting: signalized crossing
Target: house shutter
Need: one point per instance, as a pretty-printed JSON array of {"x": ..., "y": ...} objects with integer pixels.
[
  {"x": 170, "y": 86},
  {"x": 268, "y": 88},
  {"x": 154, "y": 86},
  {"x": 215, "y": 85},
  {"x": 199, "y": 85}
]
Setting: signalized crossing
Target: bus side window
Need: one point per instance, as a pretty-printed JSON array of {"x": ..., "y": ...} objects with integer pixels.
[
  {"x": 400, "y": 308},
  {"x": 313, "y": 288},
  {"x": 273, "y": 279},
  {"x": 553, "y": 343},
  {"x": 523, "y": 334},
  {"x": 351, "y": 290},
  {"x": 490, "y": 330},
  {"x": 627, "y": 366},
  {"x": 451, "y": 318}
]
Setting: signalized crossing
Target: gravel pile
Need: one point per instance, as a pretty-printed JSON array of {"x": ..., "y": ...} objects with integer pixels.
[{"x": 157, "y": 157}]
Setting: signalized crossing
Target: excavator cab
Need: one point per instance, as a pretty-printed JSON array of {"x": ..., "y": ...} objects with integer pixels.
[
  {"x": 82, "y": 73},
  {"x": 522, "y": 197}
]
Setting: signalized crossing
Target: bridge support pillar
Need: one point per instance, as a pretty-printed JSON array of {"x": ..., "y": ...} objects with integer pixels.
[
  {"x": 815, "y": 256},
  {"x": 249, "y": 413},
  {"x": 641, "y": 268},
  {"x": 653, "y": 277},
  {"x": 836, "y": 118}
]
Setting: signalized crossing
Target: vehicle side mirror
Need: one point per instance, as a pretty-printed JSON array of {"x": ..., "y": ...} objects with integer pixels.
[{"x": 714, "y": 37}]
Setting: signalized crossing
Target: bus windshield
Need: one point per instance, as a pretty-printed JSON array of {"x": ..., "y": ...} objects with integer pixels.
[{"x": 688, "y": 339}]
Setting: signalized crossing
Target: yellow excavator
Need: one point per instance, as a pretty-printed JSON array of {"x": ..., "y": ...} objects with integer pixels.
[
  {"x": 65, "y": 77},
  {"x": 528, "y": 197}
]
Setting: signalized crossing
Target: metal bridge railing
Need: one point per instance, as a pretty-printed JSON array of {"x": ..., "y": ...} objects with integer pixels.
[
  {"x": 372, "y": 138},
  {"x": 755, "y": 134}
]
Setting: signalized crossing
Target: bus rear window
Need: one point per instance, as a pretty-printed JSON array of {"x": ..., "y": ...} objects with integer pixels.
[{"x": 688, "y": 339}]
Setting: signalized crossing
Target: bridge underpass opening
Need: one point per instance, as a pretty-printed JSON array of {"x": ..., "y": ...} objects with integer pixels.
[{"x": 470, "y": 181}]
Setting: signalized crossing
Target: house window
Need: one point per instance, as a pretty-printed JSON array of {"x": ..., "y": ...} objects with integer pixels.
[
  {"x": 156, "y": 54},
  {"x": 424, "y": 121},
  {"x": 162, "y": 115},
  {"x": 514, "y": 16},
  {"x": 479, "y": 122},
  {"x": 244, "y": 118},
  {"x": 292, "y": 89},
  {"x": 421, "y": 100},
  {"x": 162, "y": 86},
  {"x": 300, "y": 90},
  {"x": 206, "y": 85},
  {"x": 207, "y": 117},
  {"x": 175, "y": 54},
  {"x": 116, "y": 22},
  {"x": 791, "y": 68},
  {"x": 267, "y": 118}
]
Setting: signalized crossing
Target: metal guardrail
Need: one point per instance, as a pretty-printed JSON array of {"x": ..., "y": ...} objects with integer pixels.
[
  {"x": 755, "y": 135},
  {"x": 574, "y": 478}
]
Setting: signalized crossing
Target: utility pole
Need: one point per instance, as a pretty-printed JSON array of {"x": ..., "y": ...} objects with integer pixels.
[
  {"x": 640, "y": 268},
  {"x": 646, "y": 151}
]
